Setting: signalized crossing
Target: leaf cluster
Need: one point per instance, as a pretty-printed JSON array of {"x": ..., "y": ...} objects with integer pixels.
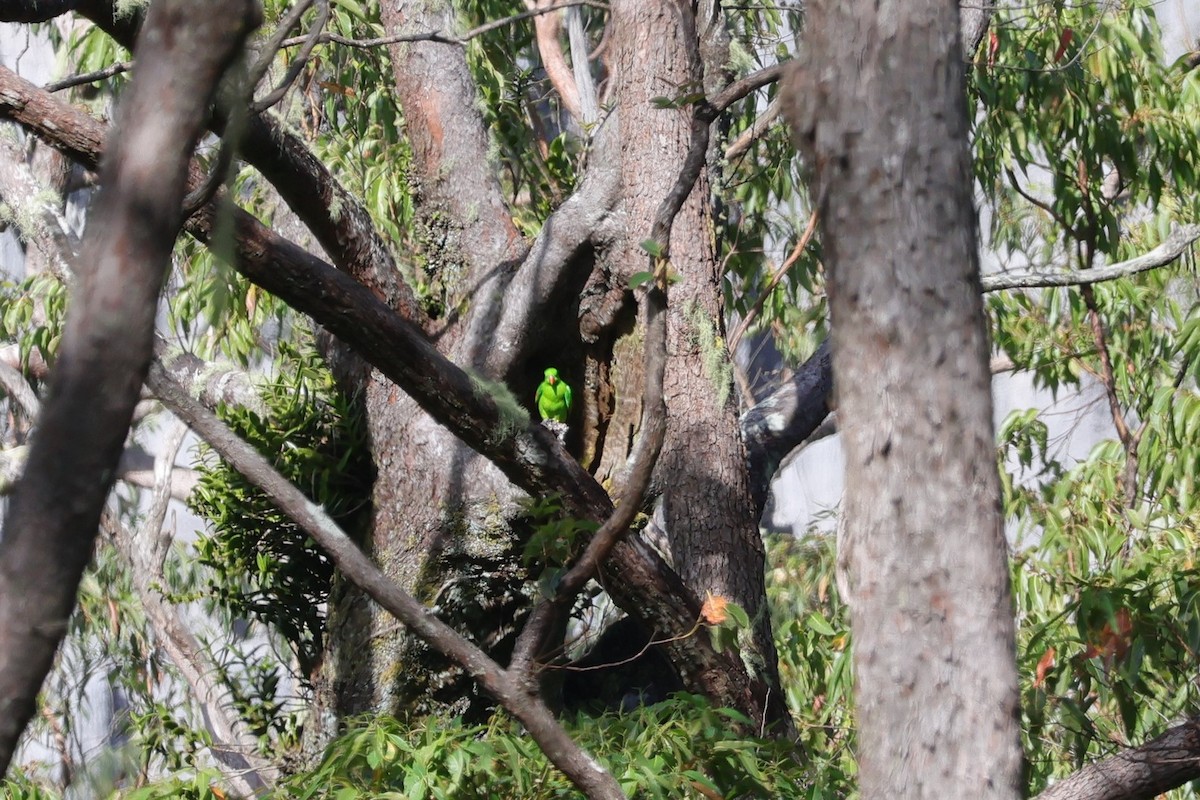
[
  {"x": 1074, "y": 97},
  {"x": 681, "y": 748},
  {"x": 263, "y": 566},
  {"x": 537, "y": 152},
  {"x": 34, "y": 311}
]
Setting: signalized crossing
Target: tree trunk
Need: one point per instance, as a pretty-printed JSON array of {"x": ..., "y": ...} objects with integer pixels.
[
  {"x": 51, "y": 524},
  {"x": 442, "y": 513},
  {"x": 702, "y": 477},
  {"x": 878, "y": 103},
  {"x": 454, "y": 548}
]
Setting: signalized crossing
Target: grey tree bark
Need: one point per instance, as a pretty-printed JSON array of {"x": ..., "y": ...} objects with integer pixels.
[{"x": 877, "y": 101}]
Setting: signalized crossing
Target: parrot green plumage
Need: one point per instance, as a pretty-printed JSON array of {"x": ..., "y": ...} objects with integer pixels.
[{"x": 553, "y": 397}]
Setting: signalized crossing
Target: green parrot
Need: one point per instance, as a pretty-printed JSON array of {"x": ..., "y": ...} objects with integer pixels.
[{"x": 553, "y": 397}]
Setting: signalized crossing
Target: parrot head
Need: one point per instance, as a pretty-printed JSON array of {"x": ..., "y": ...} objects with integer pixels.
[{"x": 551, "y": 375}]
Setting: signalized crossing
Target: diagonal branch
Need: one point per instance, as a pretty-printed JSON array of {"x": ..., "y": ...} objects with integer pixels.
[
  {"x": 234, "y": 747},
  {"x": 53, "y": 515},
  {"x": 582, "y": 769},
  {"x": 548, "y": 615},
  {"x": 783, "y": 421},
  {"x": 1139, "y": 773},
  {"x": 548, "y": 28},
  {"x": 308, "y": 187},
  {"x": 1171, "y": 248}
]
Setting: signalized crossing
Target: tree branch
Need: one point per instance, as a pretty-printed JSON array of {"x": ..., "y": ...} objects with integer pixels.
[
  {"x": 1139, "y": 773},
  {"x": 547, "y": 616},
  {"x": 303, "y": 181},
  {"x": 37, "y": 209},
  {"x": 19, "y": 390},
  {"x": 446, "y": 38},
  {"x": 1171, "y": 248},
  {"x": 785, "y": 419},
  {"x": 762, "y": 123},
  {"x": 83, "y": 78},
  {"x": 234, "y": 746},
  {"x": 53, "y": 515},
  {"x": 547, "y": 28},
  {"x": 214, "y": 383},
  {"x": 34, "y": 10},
  {"x": 546, "y": 274}
]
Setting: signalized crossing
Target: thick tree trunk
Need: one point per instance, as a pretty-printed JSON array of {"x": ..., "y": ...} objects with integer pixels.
[
  {"x": 878, "y": 103},
  {"x": 51, "y": 524},
  {"x": 702, "y": 477},
  {"x": 452, "y": 548},
  {"x": 455, "y": 548}
]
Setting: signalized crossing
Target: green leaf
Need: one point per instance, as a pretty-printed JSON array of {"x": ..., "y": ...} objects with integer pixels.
[
  {"x": 817, "y": 623},
  {"x": 638, "y": 278},
  {"x": 652, "y": 247}
]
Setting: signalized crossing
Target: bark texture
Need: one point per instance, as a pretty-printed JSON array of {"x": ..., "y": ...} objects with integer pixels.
[
  {"x": 453, "y": 550},
  {"x": 510, "y": 310},
  {"x": 52, "y": 521},
  {"x": 878, "y": 104},
  {"x": 658, "y": 51},
  {"x": 1139, "y": 773}
]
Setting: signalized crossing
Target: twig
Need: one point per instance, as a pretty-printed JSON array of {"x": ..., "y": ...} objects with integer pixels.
[
  {"x": 622, "y": 662},
  {"x": 89, "y": 77},
  {"x": 775, "y": 279},
  {"x": 153, "y": 537},
  {"x": 276, "y": 43},
  {"x": 744, "y": 86},
  {"x": 444, "y": 38},
  {"x": 234, "y": 747},
  {"x": 1042, "y": 204},
  {"x": 761, "y": 125}
]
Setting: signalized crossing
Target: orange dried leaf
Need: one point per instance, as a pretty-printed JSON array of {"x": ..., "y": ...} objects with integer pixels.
[
  {"x": 1043, "y": 666},
  {"x": 1113, "y": 644},
  {"x": 713, "y": 610},
  {"x": 330, "y": 86}
]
